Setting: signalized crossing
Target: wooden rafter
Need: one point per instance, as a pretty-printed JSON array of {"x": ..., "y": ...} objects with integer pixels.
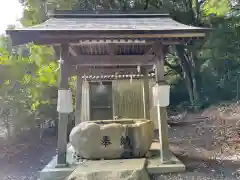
[
  {"x": 127, "y": 41},
  {"x": 69, "y": 38},
  {"x": 99, "y": 71},
  {"x": 112, "y": 49},
  {"x": 117, "y": 36},
  {"x": 73, "y": 51}
]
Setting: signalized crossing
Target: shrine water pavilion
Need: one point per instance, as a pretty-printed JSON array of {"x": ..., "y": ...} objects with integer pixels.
[{"x": 117, "y": 59}]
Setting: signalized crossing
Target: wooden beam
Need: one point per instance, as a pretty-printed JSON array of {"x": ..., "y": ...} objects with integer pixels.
[
  {"x": 160, "y": 51},
  {"x": 78, "y": 103},
  {"x": 84, "y": 36},
  {"x": 109, "y": 60},
  {"x": 112, "y": 45},
  {"x": 98, "y": 71},
  {"x": 72, "y": 51},
  {"x": 75, "y": 42},
  {"x": 146, "y": 99},
  {"x": 111, "y": 42},
  {"x": 57, "y": 52},
  {"x": 105, "y": 71}
]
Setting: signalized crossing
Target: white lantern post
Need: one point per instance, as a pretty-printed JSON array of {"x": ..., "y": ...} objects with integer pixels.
[{"x": 161, "y": 96}]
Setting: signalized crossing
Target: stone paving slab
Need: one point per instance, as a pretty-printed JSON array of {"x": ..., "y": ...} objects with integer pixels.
[
  {"x": 154, "y": 165},
  {"x": 106, "y": 165},
  {"x": 122, "y": 169},
  {"x": 50, "y": 172},
  {"x": 98, "y": 167},
  {"x": 113, "y": 167}
]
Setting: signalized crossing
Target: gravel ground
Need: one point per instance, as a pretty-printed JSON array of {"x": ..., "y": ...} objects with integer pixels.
[
  {"x": 191, "y": 142},
  {"x": 27, "y": 164},
  {"x": 205, "y": 170},
  {"x": 194, "y": 142}
]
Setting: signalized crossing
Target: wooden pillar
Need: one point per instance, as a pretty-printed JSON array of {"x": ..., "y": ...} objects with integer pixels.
[
  {"x": 146, "y": 100},
  {"x": 114, "y": 103},
  {"x": 78, "y": 105},
  {"x": 162, "y": 111},
  {"x": 63, "y": 117}
]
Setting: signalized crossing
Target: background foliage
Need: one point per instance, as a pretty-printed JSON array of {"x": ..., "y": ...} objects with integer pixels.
[{"x": 202, "y": 73}]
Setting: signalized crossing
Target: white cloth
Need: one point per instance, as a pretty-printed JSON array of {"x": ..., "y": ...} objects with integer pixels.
[{"x": 85, "y": 109}]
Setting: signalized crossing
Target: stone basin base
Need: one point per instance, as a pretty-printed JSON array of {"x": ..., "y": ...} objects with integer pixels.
[
  {"x": 90, "y": 167},
  {"x": 112, "y": 139}
]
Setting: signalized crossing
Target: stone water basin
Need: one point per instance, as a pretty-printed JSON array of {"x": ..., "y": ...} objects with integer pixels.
[{"x": 112, "y": 139}]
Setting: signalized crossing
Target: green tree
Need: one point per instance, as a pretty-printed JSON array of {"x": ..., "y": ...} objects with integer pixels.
[
  {"x": 28, "y": 81},
  {"x": 221, "y": 57}
]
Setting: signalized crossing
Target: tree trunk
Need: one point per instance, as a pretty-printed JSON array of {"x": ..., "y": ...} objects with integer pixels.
[
  {"x": 7, "y": 126},
  {"x": 189, "y": 73},
  {"x": 185, "y": 71},
  {"x": 187, "y": 78},
  {"x": 194, "y": 69}
]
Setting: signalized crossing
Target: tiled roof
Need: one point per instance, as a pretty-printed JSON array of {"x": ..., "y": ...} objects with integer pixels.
[
  {"x": 83, "y": 23},
  {"x": 74, "y": 27}
]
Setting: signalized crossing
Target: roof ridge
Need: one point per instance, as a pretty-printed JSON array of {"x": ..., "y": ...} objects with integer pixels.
[{"x": 106, "y": 14}]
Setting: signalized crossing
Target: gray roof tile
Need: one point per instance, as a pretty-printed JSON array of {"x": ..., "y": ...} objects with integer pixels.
[
  {"x": 161, "y": 23},
  {"x": 75, "y": 27}
]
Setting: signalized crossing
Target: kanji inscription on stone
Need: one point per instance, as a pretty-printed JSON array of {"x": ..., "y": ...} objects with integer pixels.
[
  {"x": 125, "y": 141},
  {"x": 106, "y": 141}
]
